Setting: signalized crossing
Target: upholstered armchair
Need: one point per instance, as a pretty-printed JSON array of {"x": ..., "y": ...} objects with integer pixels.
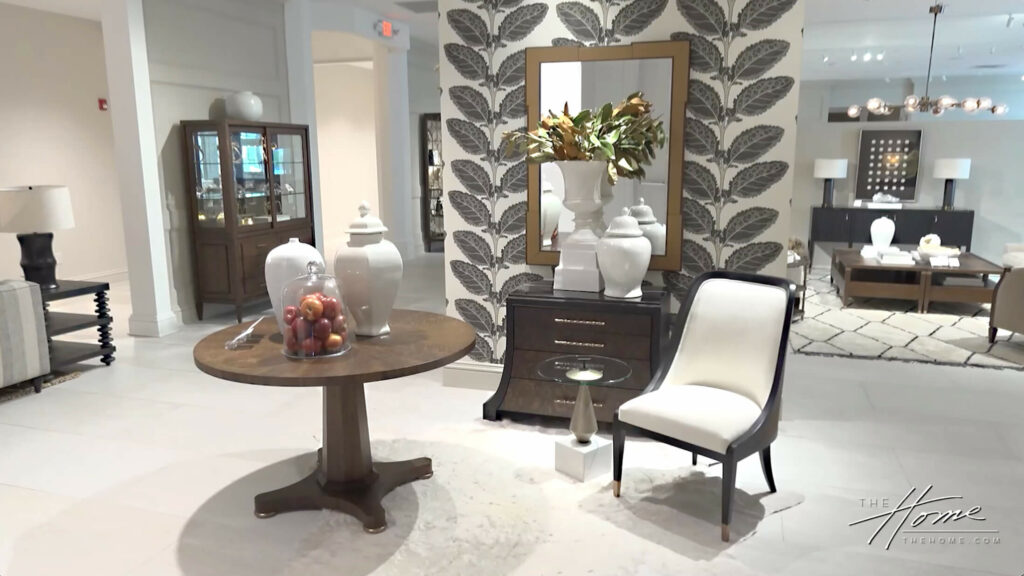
[
  {"x": 719, "y": 394},
  {"x": 1008, "y": 302},
  {"x": 24, "y": 354}
]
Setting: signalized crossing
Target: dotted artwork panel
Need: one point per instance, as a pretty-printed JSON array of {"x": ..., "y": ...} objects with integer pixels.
[{"x": 888, "y": 164}]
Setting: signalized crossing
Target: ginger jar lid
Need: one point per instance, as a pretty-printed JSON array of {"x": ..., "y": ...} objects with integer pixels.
[
  {"x": 643, "y": 213},
  {"x": 624, "y": 226},
  {"x": 366, "y": 223}
]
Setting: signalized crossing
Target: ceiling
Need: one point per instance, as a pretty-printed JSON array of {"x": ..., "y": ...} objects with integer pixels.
[{"x": 89, "y": 9}]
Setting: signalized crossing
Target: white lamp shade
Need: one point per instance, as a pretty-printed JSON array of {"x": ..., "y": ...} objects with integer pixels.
[
  {"x": 830, "y": 167},
  {"x": 953, "y": 168},
  {"x": 28, "y": 209}
]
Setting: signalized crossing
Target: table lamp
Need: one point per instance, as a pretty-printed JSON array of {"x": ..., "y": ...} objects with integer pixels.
[
  {"x": 33, "y": 212},
  {"x": 951, "y": 170},
  {"x": 829, "y": 169}
]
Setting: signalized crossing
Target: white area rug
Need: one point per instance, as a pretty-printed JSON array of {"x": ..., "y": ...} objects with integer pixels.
[{"x": 953, "y": 334}]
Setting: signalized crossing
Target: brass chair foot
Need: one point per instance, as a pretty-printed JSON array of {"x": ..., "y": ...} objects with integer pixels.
[
  {"x": 616, "y": 487},
  {"x": 376, "y": 530},
  {"x": 427, "y": 475},
  {"x": 725, "y": 532},
  {"x": 266, "y": 514}
]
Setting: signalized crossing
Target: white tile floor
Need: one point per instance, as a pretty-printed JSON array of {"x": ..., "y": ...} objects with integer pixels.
[{"x": 148, "y": 468}]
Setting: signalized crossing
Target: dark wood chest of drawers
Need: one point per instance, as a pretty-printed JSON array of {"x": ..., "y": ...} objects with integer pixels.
[{"x": 542, "y": 323}]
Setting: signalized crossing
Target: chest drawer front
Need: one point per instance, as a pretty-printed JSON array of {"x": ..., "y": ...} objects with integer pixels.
[
  {"x": 526, "y": 362},
  {"x": 575, "y": 341},
  {"x": 254, "y": 259},
  {"x": 555, "y": 399},
  {"x": 549, "y": 319}
]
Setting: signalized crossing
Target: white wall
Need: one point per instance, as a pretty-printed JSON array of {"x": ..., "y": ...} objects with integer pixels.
[
  {"x": 993, "y": 191},
  {"x": 52, "y": 73},
  {"x": 346, "y": 138},
  {"x": 201, "y": 51}
]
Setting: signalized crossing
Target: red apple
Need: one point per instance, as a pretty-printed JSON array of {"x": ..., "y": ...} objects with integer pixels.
[
  {"x": 331, "y": 307},
  {"x": 311, "y": 346},
  {"x": 334, "y": 342},
  {"x": 303, "y": 329},
  {"x": 322, "y": 329},
  {"x": 311, "y": 308},
  {"x": 291, "y": 343},
  {"x": 338, "y": 325},
  {"x": 290, "y": 312}
]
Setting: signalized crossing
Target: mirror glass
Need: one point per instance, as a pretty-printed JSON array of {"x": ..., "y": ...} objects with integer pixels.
[{"x": 591, "y": 84}]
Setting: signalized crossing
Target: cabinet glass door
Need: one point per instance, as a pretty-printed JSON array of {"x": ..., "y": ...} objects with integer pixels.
[
  {"x": 287, "y": 157},
  {"x": 208, "y": 187},
  {"x": 249, "y": 165}
]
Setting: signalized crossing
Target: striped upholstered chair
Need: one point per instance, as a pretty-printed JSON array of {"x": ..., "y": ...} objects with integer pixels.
[{"x": 23, "y": 351}]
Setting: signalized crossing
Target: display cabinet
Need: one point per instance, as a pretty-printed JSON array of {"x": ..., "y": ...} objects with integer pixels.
[
  {"x": 431, "y": 168},
  {"x": 249, "y": 190}
]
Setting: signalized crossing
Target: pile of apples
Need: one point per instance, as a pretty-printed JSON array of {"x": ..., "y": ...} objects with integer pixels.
[{"x": 315, "y": 327}]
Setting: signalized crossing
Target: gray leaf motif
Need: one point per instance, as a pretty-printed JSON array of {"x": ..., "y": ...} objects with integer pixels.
[
  {"x": 753, "y": 143},
  {"x": 752, "y": 258},
  {"x": 473, "y": 177},
  {"x": 760, "y": 14},
  {"x": 518, "y": 24},
  {"x": 583, "y": 23},
  {"x": 678, "y": 283},
  {"x": 516, "y": 282},
  {"x": 474, "y": 247},
  {"x": 468, "y": 136},
  {"x": 759, "y": 97},
  {"x": 470, "y": 208},
  {"x": 755, "y": 179},
  {"x": 514, "y": 251},
  {"x": 512, "y": 71},
  {"x": 473, "y": 279},
  {"x": 758, "y": 58},
  {"x": 699, "y": 138},
  {"x": 699, "y": 182},
  {"x": 704, "y": 102},
  {"x": 466, "y": 61},
  {"x": 513, "y": 105},
  {"x": 748, "y": 224},
  {"x": 482, "y": 351},
  {"x": 513, "y": 181},
  {"x": 507, "y": 4},
  {"x": 567, "y": 42},
  {"x": 469, "y": 27},
  {"x": 471, "y": 104},
  {"x": 705, "y": 57},
  {"x": 637, "y": 16},
  {"x": 696, "y": 258},
  {"x": 696, "y": 218},
  {"x": 475, "y": 314},
  {"x": 706, "y": 16},
  {"x": 513, "y": 219}
]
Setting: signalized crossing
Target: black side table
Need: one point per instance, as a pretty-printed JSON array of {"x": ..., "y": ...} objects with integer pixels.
[{"x": 63, "y": 353}]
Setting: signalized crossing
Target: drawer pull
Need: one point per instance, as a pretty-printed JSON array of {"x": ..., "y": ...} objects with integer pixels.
[
  {"x": 580, "y": 344},
  {"x": 579, "y": 322},
  {"x": 570, "y": 402}
]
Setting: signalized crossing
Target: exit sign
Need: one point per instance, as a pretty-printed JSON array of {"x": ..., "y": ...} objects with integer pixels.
[{"x": 385, "y": 29}]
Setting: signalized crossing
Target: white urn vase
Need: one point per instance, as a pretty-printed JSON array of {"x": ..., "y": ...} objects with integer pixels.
[
  {"x": 882, "y": 231},
  {"x": 550, "y": 212},
  {"x": 577, "y": 267},
  {"x": 284, "y": 264},
  {"x": 623, "y": 254},
  {"x": 370, "y": 270},
  {"x": 652, "y": 229},
  {"x": 244, "y": 106}
]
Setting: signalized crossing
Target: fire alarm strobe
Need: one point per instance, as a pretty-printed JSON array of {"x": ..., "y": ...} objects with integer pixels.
[{"x": 385, "y": 29}]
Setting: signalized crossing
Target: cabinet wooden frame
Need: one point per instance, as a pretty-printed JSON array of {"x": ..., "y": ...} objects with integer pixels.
[{"x": 679, "y": 52}]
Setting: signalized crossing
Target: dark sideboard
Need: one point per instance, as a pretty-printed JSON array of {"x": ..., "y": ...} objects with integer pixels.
[
  {"x": 853, "y": 226},
  {"x": 542, "y": 323}
]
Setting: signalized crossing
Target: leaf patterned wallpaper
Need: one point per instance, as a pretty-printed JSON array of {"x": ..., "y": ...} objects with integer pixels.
[{"x": 739, "y": 145}]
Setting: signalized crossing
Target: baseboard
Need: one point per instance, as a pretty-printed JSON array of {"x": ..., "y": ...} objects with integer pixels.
[
  {"x": 108, "y": 275},
  {"x": 472, "y": 375},
  {"x": 153, "y": 327}
]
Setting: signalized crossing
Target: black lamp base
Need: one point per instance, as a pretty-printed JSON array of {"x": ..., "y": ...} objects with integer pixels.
[
  {"x": 37, "y": 260},
  {"x": 949, "y": 195},
  {"x": 828, "y": 194}
]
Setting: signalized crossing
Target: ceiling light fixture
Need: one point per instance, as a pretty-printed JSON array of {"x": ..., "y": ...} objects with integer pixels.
[
  {"x": 825, "y": 59},
  {"x": 936, "y": 106},
  {"x": 867, "y": 56},
  {"x": 853, "y": 57},
  {"x": 880, "y": 56}
]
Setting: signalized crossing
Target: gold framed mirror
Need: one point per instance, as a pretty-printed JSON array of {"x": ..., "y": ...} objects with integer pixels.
[{"x": 588, "y": 77}]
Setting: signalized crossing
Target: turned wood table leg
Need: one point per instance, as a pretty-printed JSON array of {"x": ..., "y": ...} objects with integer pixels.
[{"x": 346, "y": 479}]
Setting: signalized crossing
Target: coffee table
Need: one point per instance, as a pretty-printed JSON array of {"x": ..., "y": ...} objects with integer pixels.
[
  {"x": 584, "y": 371},
  {"x": 347, "y": 479},
  {"x": 859, "y": 277}
]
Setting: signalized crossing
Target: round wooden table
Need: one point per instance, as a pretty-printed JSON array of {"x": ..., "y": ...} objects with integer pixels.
[{"x": 346, "y": 479}]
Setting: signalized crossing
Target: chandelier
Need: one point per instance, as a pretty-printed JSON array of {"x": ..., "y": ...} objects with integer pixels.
[{"x": 936, "y": 106}]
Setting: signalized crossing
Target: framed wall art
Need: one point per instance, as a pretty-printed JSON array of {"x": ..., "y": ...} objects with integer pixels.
[{"x": 888, "y": 164}]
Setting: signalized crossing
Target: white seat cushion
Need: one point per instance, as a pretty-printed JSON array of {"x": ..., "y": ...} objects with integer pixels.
[
  {"x": 1013, "y": 260},
  {"x": 708, "y": 417}
]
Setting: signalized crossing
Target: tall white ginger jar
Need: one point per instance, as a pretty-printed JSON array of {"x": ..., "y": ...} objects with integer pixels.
[
  {"x": 882, "y": 231},
  {"x": 649, "y": 225},
  {"x": 623, "y": 254},
  {"x": 370, "y": 270},
  {"x": 284, "y": 264}
]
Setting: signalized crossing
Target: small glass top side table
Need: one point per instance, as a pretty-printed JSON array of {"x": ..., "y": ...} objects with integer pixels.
[{"x": 584, "y": 371}]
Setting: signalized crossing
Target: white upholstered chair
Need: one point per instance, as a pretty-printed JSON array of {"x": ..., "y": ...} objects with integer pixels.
[{"x": 719, "y": 394}]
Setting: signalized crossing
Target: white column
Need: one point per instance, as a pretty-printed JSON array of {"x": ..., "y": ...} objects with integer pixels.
[
  {"x": 131, "y": 105},
  {"x": 394, "y": 173}
]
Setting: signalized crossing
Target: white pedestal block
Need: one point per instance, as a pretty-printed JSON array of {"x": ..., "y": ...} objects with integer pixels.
[
  {"x": 577, "y": 267},
  {"x": 583, "y": 461}
]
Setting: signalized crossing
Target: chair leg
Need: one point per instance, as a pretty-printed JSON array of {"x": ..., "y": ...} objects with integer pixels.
[
  {"x": 37, "y": 384},
  {"x": 694, "y": 459},
  {"x": 618, "y": 450},
  {"x": 728, "y": 485},
  {"x": 992, "y": 331},
  {"x": 766, "y": 467}
]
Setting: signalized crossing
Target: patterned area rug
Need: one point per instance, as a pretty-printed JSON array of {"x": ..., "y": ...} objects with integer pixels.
[
  {"x": 955, "y": 334},
  {"x": 26, "y": 389}
]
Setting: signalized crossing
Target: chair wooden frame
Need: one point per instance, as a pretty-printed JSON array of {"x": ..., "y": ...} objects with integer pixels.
[{"x": 757, "y": 439}]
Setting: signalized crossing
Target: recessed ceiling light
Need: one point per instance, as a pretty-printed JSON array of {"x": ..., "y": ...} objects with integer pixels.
[
  {"x": 825, "y": 59},
  {"x": 1022, "y": 78},
  {"x": 867, "y": 56},
  {"x": 853, "y": 57},
  {"x": 880, "y": 56}
]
